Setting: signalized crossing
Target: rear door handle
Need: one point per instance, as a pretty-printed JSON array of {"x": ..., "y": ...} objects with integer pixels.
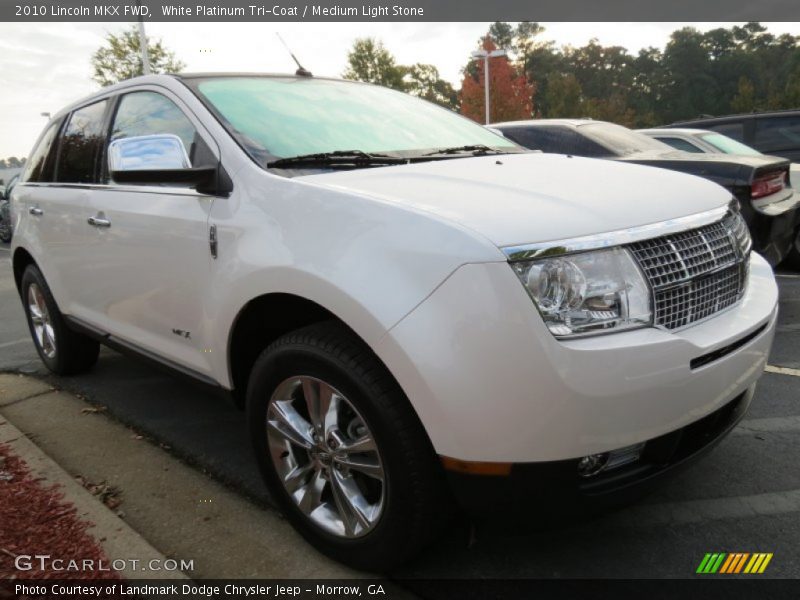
[
  {"x": 36, "y": 211},
  {"x": 99, "y": 221}
]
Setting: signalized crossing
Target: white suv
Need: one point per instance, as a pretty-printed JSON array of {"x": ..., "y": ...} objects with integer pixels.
[{"x": 408, "y": 305}]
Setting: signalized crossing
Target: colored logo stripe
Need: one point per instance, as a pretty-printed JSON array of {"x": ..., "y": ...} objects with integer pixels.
[
  {"x": 758, "y": 563},
  {"x": 711, "y": 562},
  {"x": 723, "y": 563},
  {"x": 735, "y": 564}
]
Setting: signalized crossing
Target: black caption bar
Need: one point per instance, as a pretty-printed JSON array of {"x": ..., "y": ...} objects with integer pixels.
[
  {"x": 401, "y": 10},
  {"x": 405, "y": 589}
]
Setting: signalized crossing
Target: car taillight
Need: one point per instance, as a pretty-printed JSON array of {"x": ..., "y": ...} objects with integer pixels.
[{"x": 764, "y": 185}]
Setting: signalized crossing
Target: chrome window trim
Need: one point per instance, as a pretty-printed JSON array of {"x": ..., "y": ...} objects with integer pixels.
[
  {"x": 615, "y": 238},
  {"x": 113, "y": 187}
]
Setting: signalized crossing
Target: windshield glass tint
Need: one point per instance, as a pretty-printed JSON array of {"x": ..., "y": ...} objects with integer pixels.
[
  {"x": 729, "y": 145},
  {"x": 620, "y": 140},
  {"x": 284, "y": 117}
]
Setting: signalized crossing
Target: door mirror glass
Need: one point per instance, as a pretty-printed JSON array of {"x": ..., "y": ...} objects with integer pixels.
[{"x": 148, "y": 153}]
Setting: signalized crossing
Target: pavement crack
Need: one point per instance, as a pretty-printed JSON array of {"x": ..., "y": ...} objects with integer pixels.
[{"x": 30, "y": 397}]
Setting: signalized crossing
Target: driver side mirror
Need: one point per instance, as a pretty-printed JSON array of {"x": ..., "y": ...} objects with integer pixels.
[{"x": 158, "y": 160}]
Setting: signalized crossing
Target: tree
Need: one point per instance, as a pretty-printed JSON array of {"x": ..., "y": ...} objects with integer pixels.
[
  {"x": 121, "y": 58},
  {"x": 14, "y": 163},
  {"x": 502, "y": 34},
  {"x": 564, "y": 96},
  {"x": 370, "y": 61},
  {"x": 423, "y": 81},
  {"x": 744, "y": 100},
  {"x": 510, "y": 92}
]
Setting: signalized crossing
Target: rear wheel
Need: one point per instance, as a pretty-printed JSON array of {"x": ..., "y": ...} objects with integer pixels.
[
  {"x": 62, "y": 350},
  {"x": 341, "y": 450}
]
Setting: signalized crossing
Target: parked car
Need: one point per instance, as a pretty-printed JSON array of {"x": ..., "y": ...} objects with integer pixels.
[
  {"x": 776, "y": 132},
  {"x": 760, "y": 183},
  {"x": 704, "y": 141},
  {"x": 407, "y": 305},
  {"x": 6, "y": 228}
]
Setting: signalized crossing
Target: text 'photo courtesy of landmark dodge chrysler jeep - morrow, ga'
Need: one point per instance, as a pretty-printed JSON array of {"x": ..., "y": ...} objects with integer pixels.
[{"x": 412, "y": 309}]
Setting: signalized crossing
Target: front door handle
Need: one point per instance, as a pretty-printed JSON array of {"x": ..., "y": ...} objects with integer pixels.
[
  {"x": 99, "y": 221},
  {"x": 36, "y": 211}
]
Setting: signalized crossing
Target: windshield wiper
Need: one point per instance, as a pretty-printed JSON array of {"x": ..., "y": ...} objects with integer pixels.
[
  {"x": 338, "y": 158},
  {"x": 474, "y": 149}
]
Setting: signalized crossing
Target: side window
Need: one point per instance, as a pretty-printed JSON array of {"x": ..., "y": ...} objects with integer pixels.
[
  {"x": 560, "y": 140},
  {"x": 42, "y": 161},
  {"x": 732, "y": 130},
  {"x": 150, "y": 113},
  {"x": 80, "y": 144},
  {"x": 679, "y": 144},
  {"x": 777, "y": 133},
  {"x": 534, "y": 138}
]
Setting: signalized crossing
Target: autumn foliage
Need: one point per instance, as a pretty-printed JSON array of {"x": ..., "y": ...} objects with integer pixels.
[{"x": 510, "y": 92}]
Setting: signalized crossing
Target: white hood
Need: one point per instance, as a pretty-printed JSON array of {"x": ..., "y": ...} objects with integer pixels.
[{"x": 525, "y": 198}]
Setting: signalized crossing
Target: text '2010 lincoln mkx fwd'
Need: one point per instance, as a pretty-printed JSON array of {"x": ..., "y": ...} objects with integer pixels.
[{"x": 413, "y": 310}]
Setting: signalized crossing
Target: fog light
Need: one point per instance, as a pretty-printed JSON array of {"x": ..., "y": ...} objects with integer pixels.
[
  {"x": 592, "y": 464},
  {"x": 624, "y": 456}
]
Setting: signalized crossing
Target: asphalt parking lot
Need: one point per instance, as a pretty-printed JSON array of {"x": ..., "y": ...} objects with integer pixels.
[{"x": 743, "y": 497}]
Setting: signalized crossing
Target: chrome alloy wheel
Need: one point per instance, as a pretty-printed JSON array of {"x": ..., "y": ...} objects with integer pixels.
[
  {"x": 325, "y": 456},
  {"x": 40, "y": 317}
]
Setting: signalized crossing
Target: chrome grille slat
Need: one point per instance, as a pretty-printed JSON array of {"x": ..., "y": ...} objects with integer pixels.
[{"x": 695, "y": 274}]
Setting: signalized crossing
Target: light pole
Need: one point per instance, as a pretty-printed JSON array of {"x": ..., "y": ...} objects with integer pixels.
[
  {"x": 143, "y": 42},
  {"x": 486, "y": 55}
]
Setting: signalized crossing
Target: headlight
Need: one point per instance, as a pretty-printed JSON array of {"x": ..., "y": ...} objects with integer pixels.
[{"x": 592, "y": 292}]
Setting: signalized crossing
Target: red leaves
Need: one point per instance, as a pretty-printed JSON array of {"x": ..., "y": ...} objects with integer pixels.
[
  {"x": 510, "y": 93},
  {"x": 35, "y": 520}
]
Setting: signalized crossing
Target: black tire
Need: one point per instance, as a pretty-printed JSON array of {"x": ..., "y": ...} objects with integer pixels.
[
  {"x": 414, "y": 488},
  {"x": 792, "y": 260},
  {"x": 72, "y": 352},
  {"x": 5, "y": 222}
]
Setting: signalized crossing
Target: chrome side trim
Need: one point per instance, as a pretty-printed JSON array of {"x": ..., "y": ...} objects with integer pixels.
[
  {"x": 111, "y": 187},
  {"x": 614, "y": 238}
]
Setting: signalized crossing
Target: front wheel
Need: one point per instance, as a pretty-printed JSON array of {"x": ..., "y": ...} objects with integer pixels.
[{"x": 341, "y": 450}]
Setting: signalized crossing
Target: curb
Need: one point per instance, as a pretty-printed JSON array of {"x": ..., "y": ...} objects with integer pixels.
[{"x": 112, "y": 534}]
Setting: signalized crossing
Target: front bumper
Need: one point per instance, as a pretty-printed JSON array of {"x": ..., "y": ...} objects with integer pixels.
[
  {"x": 491, "y": 384},
  {"x": 557, "y": 485}
]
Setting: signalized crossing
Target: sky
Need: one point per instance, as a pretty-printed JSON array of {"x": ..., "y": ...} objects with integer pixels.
[{"x": 45, "y": 66}]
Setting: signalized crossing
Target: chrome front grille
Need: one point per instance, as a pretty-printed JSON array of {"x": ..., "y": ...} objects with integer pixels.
[{"x": 696, "y": 273}]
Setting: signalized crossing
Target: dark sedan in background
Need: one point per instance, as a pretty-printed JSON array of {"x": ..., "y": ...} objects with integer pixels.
[{"x": 760, "y": 183}]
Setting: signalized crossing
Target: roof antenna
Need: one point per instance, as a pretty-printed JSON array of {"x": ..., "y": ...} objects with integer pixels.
[{"x": 301, "y": 71}]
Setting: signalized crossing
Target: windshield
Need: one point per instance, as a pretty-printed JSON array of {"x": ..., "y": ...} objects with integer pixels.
[
  {"x": 280, "y": 117},
  {"x": 621, "y": 140},
  {"x": 729, "y": 145}
]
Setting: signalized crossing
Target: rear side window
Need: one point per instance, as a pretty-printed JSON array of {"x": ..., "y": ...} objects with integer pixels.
[
  {"x": 150, "y": 113},
  {"x": 679, "y": 144},
  {"x": 42, "y": 161},
  {"x": 80, "y": 144},
  {"x": 732, "y": 130},
  {"x": 560, "y": 140},
  {"x": 777, "y": 133}
]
